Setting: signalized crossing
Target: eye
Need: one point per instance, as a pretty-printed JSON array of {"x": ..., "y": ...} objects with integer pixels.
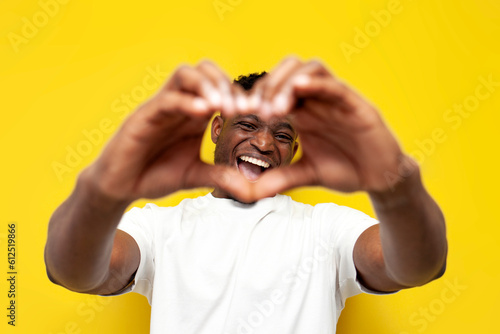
[
  {"x": 284, "y": 137},
  {"x": 247, "y": 126}
]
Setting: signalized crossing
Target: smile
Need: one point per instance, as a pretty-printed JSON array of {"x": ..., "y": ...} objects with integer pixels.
[
  {"x": 255, "y": 161},
  {"x": 251, "y": 167}
]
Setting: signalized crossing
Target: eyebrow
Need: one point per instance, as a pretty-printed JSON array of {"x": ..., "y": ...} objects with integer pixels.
[{"x": 279, "y": 125}]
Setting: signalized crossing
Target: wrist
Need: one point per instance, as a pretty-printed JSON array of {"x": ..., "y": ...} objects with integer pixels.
[
  {"x": 88, "y": 187},
  {"x": 403, "y": 188}
]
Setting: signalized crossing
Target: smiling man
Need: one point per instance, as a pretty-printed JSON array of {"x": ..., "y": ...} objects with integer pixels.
[
  {"x": 245, "y": 259},
  {"x": 252, "y": 145}
]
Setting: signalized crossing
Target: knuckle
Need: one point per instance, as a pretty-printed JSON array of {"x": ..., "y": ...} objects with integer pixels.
[
  {"x": 315, "y": 63},
  {"x": 318, "y": 66},
  {"x": 205, "y": 62},
  {"x": 272, "y": 82},
  {"x": 205, "y": 65},
  {"x": 293, "y": 60},
  {"x": 182, "y": 70},
  {"x": 179, "y": 75}
]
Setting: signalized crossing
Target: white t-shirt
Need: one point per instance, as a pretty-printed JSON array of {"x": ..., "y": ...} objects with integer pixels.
[{"x": 212, "y": 265}]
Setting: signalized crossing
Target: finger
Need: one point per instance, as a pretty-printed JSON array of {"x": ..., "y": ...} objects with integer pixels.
[
  {"x": 204, "y": 175},
  {"x": 233, "y": 183},
  {"x": 304, "y": 174},
  {"x": 221, "y": 82},
  {"x": 284, "y": 178},
  {"x": 270, "y": 183},
  {"x": 315, "y": 116},
  {"x": 166, "y": 117},
  {"x": 327, "y": 89},
  {"x": 285, "y": 99},
  {"x": 175, "y": 102},
  {"x": 241, "y": 101},
  {"x": 192, "y": 81},
  {"x": 270, "y": 85},
  {"x": 213, "y": 72},
  {"x": 255, "y": 99}
]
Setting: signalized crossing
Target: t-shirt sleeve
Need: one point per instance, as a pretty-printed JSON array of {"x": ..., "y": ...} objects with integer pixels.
[
  {"x": 345, "y": 225},
  {"x": 139, "y": 224}
]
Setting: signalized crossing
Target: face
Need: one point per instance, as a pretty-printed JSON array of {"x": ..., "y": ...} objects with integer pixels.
[{"x": 253, "y": 145}]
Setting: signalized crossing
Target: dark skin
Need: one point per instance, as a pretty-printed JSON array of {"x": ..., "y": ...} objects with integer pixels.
[
  {"x": 346, "y": 147},
  {"x": 272, "y": 141}
]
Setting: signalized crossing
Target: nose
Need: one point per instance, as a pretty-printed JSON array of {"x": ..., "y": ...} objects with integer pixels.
[{"x": 264, "y": 141}]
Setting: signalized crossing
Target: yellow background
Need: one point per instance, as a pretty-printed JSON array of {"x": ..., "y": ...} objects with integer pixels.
[{"x": 67, "y": 76}]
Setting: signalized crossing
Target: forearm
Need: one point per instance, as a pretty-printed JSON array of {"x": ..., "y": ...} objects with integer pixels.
[
  {"x": 80, "y": 237},
  {"x": 412, "y": 232}
]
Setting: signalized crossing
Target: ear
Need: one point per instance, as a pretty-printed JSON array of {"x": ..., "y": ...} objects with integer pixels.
[
  {"x": 295, "y": 147},
  {"x": 217, "y": 125}
]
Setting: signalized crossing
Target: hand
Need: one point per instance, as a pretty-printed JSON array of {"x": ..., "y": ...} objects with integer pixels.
[
  {"x": 157, "y": 149},
  {"x": 346, "y": 145}
]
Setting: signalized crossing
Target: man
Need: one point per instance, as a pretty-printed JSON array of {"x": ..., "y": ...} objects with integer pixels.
[{"x": 243, "y": 259}]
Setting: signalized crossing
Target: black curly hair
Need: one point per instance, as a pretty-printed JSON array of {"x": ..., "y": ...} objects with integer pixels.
[{"x": 247, "y": 81}]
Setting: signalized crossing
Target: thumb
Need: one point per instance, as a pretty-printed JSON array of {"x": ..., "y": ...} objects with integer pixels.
[
  {"x": 207, "y": 175},
  {"x": 232, "y": 182},
  {"x": 269, "y": 184},
  {"x": 284, "y": 178}
]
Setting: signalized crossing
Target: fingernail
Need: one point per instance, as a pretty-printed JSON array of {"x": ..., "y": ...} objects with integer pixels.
[
  {"x": 241, "y": 103},
  {"x": 212, "y": 94},
  {"x": 215, "y": 98},
  {"x": 280, "y": 102},
  {"x": 302, "y": 80},
  {"x": 200, "y": 104}
]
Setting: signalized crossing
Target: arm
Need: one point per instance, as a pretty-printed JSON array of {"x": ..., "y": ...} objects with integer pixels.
[
  {"x": 408, "y": 248},
  {"x": 347, "y": 147},
  {"x": 84, "y": 251},
  {"x": 155, "y": 153}
]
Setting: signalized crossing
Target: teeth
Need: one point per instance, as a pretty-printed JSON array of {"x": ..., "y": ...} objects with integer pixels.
[{"x": 255, "y": 161}]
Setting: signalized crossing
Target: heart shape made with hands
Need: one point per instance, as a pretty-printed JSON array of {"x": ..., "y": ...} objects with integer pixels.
[{"x": 346, "y": 145}]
